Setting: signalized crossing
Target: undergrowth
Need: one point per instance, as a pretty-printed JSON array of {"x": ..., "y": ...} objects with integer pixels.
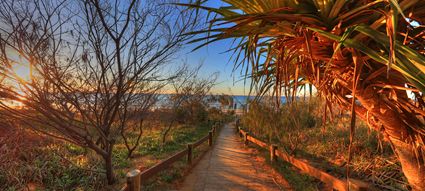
[
  {"x": 299, "y": 130},
  {"x": 34, "y": 162}
]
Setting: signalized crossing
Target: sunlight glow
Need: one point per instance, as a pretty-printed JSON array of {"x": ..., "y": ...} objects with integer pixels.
[{"x": 22, "y": 71}]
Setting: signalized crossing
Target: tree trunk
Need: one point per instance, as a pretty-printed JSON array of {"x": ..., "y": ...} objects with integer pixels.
[
  {"x": 130, "y": 153},
  {"x": 399, "y": 135},
  {"x": 130, "y": 148},
  {"x": 107, "y": 157},
  {"x": 413, "y": 166},
  {"x": 109, "y": 168},
  {"x": 164, "y": 135}
]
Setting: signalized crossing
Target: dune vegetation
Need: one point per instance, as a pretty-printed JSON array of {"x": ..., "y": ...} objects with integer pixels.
[
  {"x": 364, "y": 56},
  {"x": 92, "y": 89}
]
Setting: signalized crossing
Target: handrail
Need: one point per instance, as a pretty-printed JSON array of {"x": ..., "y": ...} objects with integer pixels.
[
  {"x": 200, "y": 141},
  {"x": 305, "y": 167},
  {"x": 258, "y": 142},
  {"x": 163, "y": 164},
  {"x": 135, "y": 177},
  {"x": 315, "y": 172}
]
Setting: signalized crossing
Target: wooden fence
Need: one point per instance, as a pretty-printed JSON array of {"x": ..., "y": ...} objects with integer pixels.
[
  {"x": 304, "y": 166},
  {"x": 135, "y": 178}
]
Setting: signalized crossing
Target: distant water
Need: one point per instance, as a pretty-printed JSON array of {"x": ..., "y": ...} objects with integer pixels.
[
  {"x": 243, "y": 100},
  {"x": 239, "y": 101}
]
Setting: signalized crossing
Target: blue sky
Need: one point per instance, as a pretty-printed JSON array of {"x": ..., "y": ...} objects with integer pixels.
[{"x": 215, "y": 59}]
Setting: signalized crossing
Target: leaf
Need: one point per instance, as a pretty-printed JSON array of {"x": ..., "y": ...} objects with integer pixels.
[
  {"x": 344, "y": 37},
  {"x": 336, "y": 8},
  {"x": 407, "y": 69}
]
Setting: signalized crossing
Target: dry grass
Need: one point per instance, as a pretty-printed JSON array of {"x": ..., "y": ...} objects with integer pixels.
[
  {"x": 300, "y": 133},
  {"x": 31, "y": 161}
]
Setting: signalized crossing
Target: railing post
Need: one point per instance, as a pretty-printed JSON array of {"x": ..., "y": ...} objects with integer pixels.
[
  {"x": 246, "y": 138},
  {"x": 133, "y": 180},
  {"x": 210, "y": 138},
  {"x": 273, "y": 153},
  {"x": 189, "y": 153}
]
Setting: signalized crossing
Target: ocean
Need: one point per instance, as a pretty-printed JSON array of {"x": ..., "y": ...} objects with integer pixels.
[{"x": 239, "y": 101}]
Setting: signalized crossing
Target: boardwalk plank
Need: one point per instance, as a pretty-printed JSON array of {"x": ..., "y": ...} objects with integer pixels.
[{"x": 229, "y": 165}]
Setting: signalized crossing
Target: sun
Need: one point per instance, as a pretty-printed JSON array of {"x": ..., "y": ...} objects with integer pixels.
[{"x": 20, "y": 75}]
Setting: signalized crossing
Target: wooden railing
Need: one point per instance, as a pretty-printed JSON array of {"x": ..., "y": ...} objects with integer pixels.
[
  {"x": 135, "y": 178},
  {"x": 304, "y": 166}
]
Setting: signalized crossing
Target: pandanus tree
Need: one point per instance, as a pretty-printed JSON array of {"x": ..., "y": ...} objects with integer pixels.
[{"x": 366, "y": 56}]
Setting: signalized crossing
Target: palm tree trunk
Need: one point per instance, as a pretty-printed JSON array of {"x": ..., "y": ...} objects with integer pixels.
[{"x": 413, "y": 165}]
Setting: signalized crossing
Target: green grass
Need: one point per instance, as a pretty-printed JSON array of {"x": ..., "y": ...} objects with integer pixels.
[
  {"x": 151, "y": 151},
  {"x": 56, "y": 165},
  {"x": 179, "y": 138},
  {"x": 47, "y": 165}
]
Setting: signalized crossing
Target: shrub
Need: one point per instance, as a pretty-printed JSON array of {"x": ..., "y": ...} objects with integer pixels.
[{"x": 268, "y": 121}]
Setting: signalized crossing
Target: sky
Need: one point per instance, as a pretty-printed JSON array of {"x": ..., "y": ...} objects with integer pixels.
[{"x": 215, "y": 59}]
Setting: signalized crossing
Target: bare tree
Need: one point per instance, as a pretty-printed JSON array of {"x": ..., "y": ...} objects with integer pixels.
[
  {"x": 226, "y": 101},
  {"x": 90, "y": 63},
  {"x": 188, "y": 88},
  {"x": 133, "y": 115}
]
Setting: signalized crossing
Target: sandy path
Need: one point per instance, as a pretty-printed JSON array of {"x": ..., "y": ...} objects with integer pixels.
[{"x": 229, "y": 165}]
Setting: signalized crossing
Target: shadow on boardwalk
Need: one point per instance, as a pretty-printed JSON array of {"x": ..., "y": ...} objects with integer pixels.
[{"x": 230, "y": 166}]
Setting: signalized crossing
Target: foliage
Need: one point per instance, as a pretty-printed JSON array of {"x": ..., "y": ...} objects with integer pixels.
[
  {"x": 31, "y": 161},
  {"x": 225, "y": 100},
  {"x": 287, "y": 118},
  {"x": 325, "y": 146},
  {"x": 34, "y": 161},
  {"x": 93, "y": 66},
  {"x": 193, "y": 113},
  {"x": 189, "y": 102},
  {"x": 368, "y": 52}
]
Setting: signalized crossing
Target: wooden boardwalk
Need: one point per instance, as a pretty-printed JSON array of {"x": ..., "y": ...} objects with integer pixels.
[{"x": 231, "y": 166}]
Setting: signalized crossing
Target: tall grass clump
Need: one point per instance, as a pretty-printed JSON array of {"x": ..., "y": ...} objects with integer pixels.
[
  {"x": 278, "y": 123},
  {"x": 300, "y": 129}
]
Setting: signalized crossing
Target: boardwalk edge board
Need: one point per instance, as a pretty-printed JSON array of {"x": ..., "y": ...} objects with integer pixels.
[{"x": 305, "y": 167}]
